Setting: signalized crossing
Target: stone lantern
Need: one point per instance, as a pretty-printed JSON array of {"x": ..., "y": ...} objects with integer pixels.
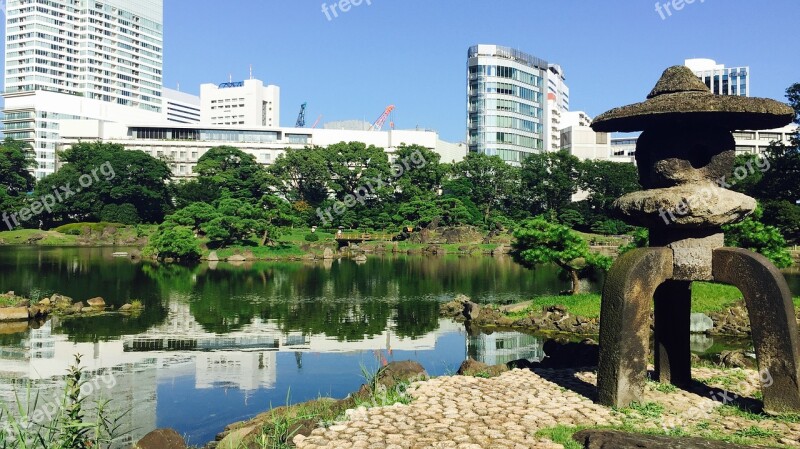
[{"x": 685, "y": 157}]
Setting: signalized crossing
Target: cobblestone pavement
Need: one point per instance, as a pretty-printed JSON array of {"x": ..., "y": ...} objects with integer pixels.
[{"x": 505, "y": 412}]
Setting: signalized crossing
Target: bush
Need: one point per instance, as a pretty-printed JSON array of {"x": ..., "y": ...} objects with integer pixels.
[
  {"x": 177, "y": 243},
  {"x": 78, "y": 228},
  {"x": 120, "y": 213},
  {"x": 312, "y": 237}
]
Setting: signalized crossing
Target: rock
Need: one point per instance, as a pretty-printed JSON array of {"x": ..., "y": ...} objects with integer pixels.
[
  {"x": 249, "y": 255},
  {"x": 213, "y": 257},
  {"x": 360, "y": 258},
  {"x": 96, "y": 302},
  {"x": 612, "y": 439},
  {"x": 45, "y": 302},
  {"x": 327, "y": 254},
  {"x": 398, "y": 372},
  {"x": 471, "y": 310},
  {"x": 236, "y": 258},
  {"x": 472, "y": 367},
  {"x": 88, "y": 309},
  {"x": 700, "y": 322},
  {"x": 14, "y": 314},
  {"x": 161, "y": 439},
  {"x": 77, "y": 307},
  {"x": 735, "y": 359},
  {"x": 35, "y": 312},
  {"x": 126, "y": 308}
]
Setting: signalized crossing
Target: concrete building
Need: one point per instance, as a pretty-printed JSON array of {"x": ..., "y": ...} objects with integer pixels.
[
  {"x": 755, "y": 142},
  {"x": 720, "y": 79},
  {"x": 247, "y": 103},
  {"x": 182, "y": 145},
  {"x": 66, "y": 59},
  {"x": 506, "y": 102},
  {"x": 557, "y": 105},
  {"x": 584, "y": 143},
  {"x": 623, "y": 149},
  {"x": 180, "y": 107}
]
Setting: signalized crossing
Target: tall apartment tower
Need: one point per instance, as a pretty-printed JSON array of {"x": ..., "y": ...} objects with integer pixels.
[
  {"x": 557, "y": 105},
  {"x": 507, "y": 112},
  {"x": 80, "y": 59},
  {"x": 720, "y": 79}
]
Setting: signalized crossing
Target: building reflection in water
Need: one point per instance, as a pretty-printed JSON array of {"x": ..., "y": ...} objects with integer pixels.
[{"x": 503, "y": 347}]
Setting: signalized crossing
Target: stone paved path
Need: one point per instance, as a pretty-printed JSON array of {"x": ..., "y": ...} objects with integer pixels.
[{"x": 505, "y": 412}]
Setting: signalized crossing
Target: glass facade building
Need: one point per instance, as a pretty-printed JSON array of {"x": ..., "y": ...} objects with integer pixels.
[
  {"x": 720, "y": 79},
  {"x": 506, "y": 102}
]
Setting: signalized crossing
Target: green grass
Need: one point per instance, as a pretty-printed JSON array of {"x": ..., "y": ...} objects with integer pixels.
[
  {"x": 562, "y": 435},
  {"x": 8, "y": 300},
  {"x": 706, "y": 298},
  {"x": 50, "y": 238}
]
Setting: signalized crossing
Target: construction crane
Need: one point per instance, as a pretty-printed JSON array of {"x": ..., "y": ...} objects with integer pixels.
[
  {"x": 301, "y": 117},
  {"x": 378, "y": 125},
  {"x": 317, "y": 122}
]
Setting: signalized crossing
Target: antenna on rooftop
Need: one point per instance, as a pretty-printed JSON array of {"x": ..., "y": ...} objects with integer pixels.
[
  {"x": 251, "y": 71},
  {"x": 230, "y": 77},
  {"x": 179, "y": 86}
]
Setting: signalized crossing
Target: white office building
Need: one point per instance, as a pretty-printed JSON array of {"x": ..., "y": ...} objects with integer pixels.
[
  {"x": 182, "y": 145},
  {"x": 507, "y": 112},
  {"x": 180, "y": 107},
  {"x": 247, "y": 103},
  {"x": 70, "y": 59},
  {"x": 720, "y": 79},
  {"x": 557, "y": 105}
]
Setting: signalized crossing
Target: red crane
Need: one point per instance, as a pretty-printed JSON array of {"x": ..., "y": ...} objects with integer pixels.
[{"x": 378, "y": 125}]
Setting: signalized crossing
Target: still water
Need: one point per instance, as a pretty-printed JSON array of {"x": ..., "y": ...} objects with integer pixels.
[{"x": 219, "y": 343}]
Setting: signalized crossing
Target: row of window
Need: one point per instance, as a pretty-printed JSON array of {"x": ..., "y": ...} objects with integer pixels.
[
  {"x": 506, "y": 89},
  {"x": 507, "y": 72},
  {"x": 506, "y": 138},
  {"x": 502, "y": 121}
]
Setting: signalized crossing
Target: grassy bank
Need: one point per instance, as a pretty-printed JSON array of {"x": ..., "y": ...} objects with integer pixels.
[
  {"x": 706, "y": 298},
  {"x": 80, "y": 234}
]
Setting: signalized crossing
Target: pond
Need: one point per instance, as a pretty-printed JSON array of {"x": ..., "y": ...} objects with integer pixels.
[{"x": 218, "y": 343}]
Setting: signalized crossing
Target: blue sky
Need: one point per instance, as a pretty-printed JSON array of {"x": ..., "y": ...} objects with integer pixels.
[{"x": 412, "y": 53}]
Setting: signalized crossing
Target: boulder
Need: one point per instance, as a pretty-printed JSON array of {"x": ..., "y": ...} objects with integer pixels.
[
  {"x": 327, "y": 254},
  {"x": 45, "y": 302},
  {"x": 88, "y": 309},
  {"x": 213, "y": 257},
  {"x": 96, "y": 302},
  {"x": 399, "y": 372},
  {"x": 161, "y": 439},
  {"x": 126, "y": 308},
  {"x": 736, "y": 359},
  {"x": 471, "y": 367},
  {"x": 77, "y": 307},
  {"x": 35, "y": 312},
  {"x": 471, "y": 310},
  {"x": 236, "y": 258},
  {"x": 14, "y": 314},
  {"x": 239, "y": 438},
  {"x": 360, "y": 258}
]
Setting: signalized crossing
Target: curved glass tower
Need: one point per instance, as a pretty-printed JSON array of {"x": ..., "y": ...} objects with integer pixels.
[{"x": 506, "y": 102}]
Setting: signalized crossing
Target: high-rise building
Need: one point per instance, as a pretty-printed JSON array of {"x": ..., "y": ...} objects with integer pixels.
[
  {"x": 248, "y": 103},
  {"x": 507, "y": 102},
  {"x": 720, "y": 79},
  {"x": 557, "y": 105},
  {"x": 76, "y": 59}
]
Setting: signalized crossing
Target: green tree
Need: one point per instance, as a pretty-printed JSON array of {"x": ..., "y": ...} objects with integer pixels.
[
  {"x": 754, "y": 235},
  {"x": 785, "y": 216},
  {"x": 354, "y": 165},
  {"x": 301, "y": 175},
  {"x": 549, "y": 180},
  {"x": 16, "y": 180},
  {"x": 539, "y": 241},
  {"x": 433, "y": 213},
  {"x": 174, "y": 242},
  {"x": 230, "y": 172},
  {"x": 187, "y": 192},
  {"x": 97, "y": 174},
  {"x": 425, "y": 174},
  {"x": 486, "y": 180},
  {"x": 120, "y": 213},
  {"x": 192, "y": 216},
  {"x": 606, "y": 181}
]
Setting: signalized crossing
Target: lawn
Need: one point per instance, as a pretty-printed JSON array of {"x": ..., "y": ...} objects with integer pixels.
[
  {"x": 707, "y": 297},
  {"x": 49, "y": 238}
]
